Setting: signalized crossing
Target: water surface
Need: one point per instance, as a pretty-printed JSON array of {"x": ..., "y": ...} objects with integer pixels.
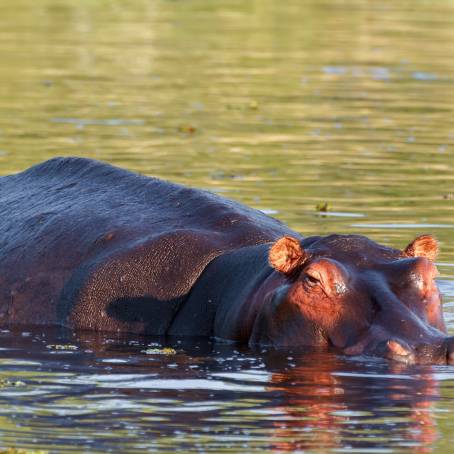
[{"x": 282, "y": 107}]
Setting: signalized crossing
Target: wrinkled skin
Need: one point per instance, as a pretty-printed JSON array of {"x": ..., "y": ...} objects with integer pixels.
[{"x": 89, "y": 246}]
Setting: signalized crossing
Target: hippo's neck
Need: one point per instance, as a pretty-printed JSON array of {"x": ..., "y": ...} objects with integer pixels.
[{"x": 218, "y": 304}]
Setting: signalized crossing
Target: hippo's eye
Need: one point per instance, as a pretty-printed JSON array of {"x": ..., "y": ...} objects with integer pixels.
[{"x": 310, "y": 280}]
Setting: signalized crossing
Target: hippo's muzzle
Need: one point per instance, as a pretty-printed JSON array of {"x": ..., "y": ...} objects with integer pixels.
[{"x": 439, "y": 350}]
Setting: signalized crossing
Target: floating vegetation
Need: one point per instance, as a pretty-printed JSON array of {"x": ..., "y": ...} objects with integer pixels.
[
  {"x": 62, "y": 347},
  {"x": 159, "y": 351},
  {"x": 187, "y": 129},
  {"x": 322, "y": 207},
  {"x": 5, "y": 383}
]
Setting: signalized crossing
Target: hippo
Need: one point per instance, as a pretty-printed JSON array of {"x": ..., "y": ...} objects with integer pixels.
[{"x": 90, "y": 246}]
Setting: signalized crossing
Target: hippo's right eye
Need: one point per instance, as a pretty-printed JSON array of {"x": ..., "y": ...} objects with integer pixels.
[{"x": 310, "y": 280}]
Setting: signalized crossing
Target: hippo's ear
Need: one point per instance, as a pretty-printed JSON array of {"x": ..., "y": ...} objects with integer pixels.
[
  {"x": 423, "y": 246},
  {"x": 286, "y": 255}
]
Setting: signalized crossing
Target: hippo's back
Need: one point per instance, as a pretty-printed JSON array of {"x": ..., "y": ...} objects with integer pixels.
[{"x": 64, "y": 220}]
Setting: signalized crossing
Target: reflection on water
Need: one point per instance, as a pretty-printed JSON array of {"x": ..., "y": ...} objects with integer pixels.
[
  {"x": 211, "y": 396},
  {"x": 347, "y": 105}
]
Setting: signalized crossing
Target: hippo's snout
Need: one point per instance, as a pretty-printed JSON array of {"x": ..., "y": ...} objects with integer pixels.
[
  {"x": 446, "y": 352},
  {"x": 439, "y": 351},
  {"x": 398, "y": 350},
  {"x": 450, "y": 350}
]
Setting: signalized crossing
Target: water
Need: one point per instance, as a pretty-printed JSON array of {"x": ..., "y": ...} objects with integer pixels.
[
  {"x": 282, "y": 107},
  {"x": 101, "y": 393}
]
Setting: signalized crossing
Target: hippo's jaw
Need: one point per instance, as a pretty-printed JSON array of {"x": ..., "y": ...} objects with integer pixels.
[
  {"x": 439, "y": 351},
  {"x": 437, "y": 348}
]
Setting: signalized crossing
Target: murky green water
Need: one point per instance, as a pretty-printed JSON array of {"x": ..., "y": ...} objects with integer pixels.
[{"x": 281, "y": 105}]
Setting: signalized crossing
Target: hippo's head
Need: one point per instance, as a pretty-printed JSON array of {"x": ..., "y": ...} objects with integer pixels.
[{"x": 357, "y": 296}]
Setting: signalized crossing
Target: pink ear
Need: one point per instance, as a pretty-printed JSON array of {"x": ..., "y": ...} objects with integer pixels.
[
  {"x": 286, "y": 255},
  {"x": 423, "y": 246}
]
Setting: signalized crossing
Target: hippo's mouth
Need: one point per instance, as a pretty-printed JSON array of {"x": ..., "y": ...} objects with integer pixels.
[{"x": 438, "y": 351}]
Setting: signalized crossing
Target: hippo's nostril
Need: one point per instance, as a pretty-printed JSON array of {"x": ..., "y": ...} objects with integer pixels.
[{"x": 398, "y": 350}]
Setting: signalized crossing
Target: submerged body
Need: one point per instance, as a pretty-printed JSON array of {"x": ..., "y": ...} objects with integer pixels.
[{"x": 90, "y": 246}]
